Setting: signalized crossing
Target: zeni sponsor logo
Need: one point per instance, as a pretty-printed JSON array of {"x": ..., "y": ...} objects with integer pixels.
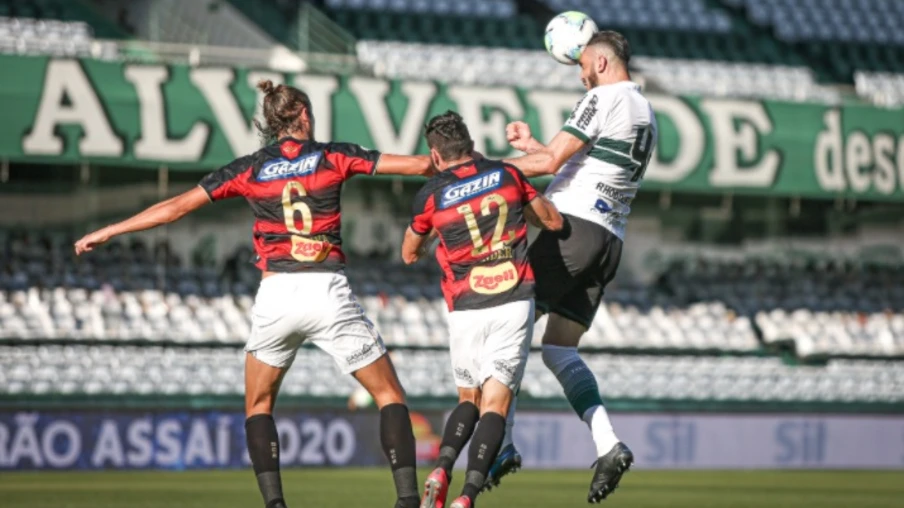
[
  {"x": 282, "y": 168},
  {"x": 313, "y": 251},
  {"x": 491, "y": 280}
]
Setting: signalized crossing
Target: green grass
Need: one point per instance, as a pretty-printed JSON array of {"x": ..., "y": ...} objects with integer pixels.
[{"x": 371, "y": 487}]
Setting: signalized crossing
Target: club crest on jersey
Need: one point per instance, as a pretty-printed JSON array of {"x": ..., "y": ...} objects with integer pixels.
[
  {"x": 474, "y": 186},
  {"x": 491, "y": 280},
  {"x": 282, "y": 168}
]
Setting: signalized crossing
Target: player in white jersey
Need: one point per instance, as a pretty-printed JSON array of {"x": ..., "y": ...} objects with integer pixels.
[{"x": 598, "y": 159}]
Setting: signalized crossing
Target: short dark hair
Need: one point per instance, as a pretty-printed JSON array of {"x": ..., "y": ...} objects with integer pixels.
[
  {"x": 616, "y": 42},
  {"x": 448, "y": 135}
]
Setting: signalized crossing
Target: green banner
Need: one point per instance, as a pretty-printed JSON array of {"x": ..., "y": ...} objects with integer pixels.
[{"x": 66, "y": 111}]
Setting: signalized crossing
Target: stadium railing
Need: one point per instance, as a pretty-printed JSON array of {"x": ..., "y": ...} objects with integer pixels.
[{"x": 277, "y": 58}]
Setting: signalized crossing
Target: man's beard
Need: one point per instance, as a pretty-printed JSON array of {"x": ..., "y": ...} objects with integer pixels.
[{"x": 591, "y": 82}]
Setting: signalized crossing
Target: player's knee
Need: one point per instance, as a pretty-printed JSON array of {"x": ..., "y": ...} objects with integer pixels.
[
  {"x": 380, "y": 380},
  {"x": 498, "y": 403},
  {"x": 387, "y": 393},
  {"x": 259, "y": 400},
  {"x": 258, "y": 404},
  {"x": 554, "y": 357},
  {"x": 562, "y": 332},
  {"x": 471, "y": 395},
  {"x": 496, "y": 397}
]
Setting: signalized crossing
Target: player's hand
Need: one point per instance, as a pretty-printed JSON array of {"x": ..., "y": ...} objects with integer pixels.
[
  {"x": 519, "y": 135},
  {"x": 91, "y": 240}
]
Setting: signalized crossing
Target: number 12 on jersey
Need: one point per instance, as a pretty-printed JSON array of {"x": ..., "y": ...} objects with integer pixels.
[{"x": 496, "y": 242}]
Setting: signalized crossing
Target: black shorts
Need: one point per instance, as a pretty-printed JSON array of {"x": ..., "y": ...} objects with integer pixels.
[{"x": 572, "y": 268}]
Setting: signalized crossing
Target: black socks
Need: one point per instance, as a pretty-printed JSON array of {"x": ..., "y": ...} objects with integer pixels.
[
  {"x": 263, "y": 448},
  {"x": 397, "y": 439},
  {"x": 459, "y": 428},
  {"x": 482, "y": 453}
]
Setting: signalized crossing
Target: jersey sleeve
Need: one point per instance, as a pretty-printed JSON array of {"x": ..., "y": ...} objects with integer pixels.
[
  {"x": 528, "y": 192},
  {"x": 422, "y": 213},
  {"x": 585, "y": 122},
  {"x": 232, "y": 180},
  {"x": 352, "y": 159}
]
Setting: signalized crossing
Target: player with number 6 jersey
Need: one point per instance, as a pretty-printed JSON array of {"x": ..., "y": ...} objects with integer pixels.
[
  {"x": 293, "y": 186},
  {"x": 598, "y": 159},
  {"x": 479, "y": 209}
]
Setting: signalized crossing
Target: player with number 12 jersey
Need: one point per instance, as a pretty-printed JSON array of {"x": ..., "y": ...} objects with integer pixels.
[{"x": 479, "y": 208}]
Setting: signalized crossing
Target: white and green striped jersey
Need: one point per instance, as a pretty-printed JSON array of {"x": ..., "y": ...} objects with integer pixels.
[{"x": 598, "y": 183}]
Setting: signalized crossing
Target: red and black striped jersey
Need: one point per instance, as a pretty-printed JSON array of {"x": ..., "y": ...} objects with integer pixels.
[
  {"x": 293, "y": 187},
  {"x": 477, "y": 210}
]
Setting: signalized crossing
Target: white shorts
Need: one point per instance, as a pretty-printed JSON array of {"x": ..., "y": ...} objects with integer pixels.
[
  {"x": 291, "y": 308},
  {"x": 492, "y": 342}
]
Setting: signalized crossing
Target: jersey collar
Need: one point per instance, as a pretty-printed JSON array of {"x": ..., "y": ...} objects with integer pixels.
[{"x": 469, "y": 162}]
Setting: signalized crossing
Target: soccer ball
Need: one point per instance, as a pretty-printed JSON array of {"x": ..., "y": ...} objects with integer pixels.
[{"x": 567, "y": 35}]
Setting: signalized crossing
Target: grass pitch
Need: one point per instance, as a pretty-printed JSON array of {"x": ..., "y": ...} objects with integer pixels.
[{"x": 327, "y": 488}]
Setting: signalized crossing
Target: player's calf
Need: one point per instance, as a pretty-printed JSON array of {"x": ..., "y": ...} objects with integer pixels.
[
  {"x": 261, "y": 387},
  {"x": 458, "y": 431},
  {"x": 508, "y": 461},
  {"x": 483, "y": 450},
  {"x": 459, "y": 428},
  {"x": 263, "y": 448},
  {"x": 495, "y": 400},
  {"x": 396, "y": 435}
]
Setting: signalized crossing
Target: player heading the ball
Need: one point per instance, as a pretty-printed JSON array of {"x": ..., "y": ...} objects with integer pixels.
[{"x": 599, "y": 159}]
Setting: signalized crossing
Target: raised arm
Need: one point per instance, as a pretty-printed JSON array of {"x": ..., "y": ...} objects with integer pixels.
[
  {"x": 541, "y": 159},
  {"x": 163, "y": 212},
  {"x": 405, "y": 165},
  {"x": 542, "y": 213}
]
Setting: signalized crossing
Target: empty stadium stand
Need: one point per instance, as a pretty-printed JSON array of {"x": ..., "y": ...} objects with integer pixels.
[
  {"x": 124, "y": 370},
  {"x": 63, "y": 10},
  {"x": 823, "y": 306},
  {"x": 842, "y": 36},
  {"x": 534, "y": 69},
  {"x": 881, "y": 88},
  {"x": 27, "y": 36}
]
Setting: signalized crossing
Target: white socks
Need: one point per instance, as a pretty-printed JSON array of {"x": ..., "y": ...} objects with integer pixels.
[{"x": 601, "y": 428}]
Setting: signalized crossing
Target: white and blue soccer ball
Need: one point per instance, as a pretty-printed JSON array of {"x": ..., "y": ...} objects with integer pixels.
[{"x": 567, "y": 35}]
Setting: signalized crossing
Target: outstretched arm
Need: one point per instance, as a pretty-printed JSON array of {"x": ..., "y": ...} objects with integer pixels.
[
  {"x": 163, "y": 212},
  {"x": 413, "y": 246},
  {"x": 405, "y": 165},
  {"x": 543, "y": 214},
  {"x": 540, "y": 159}
]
